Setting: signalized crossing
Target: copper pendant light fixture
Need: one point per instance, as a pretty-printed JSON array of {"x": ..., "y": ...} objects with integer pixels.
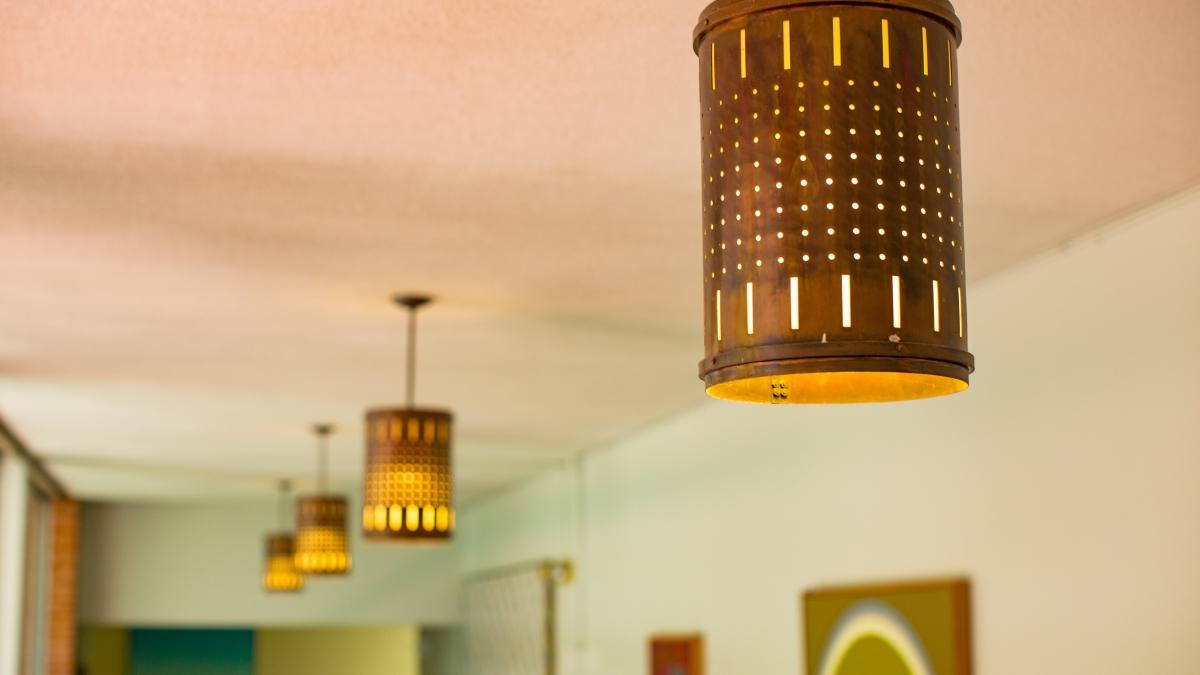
[
  {"x": 322, "y": 541},
  {"x": 279, "y": 567},
  {"x": 832, "y": 201},
  {"x": 409, "y": 492}
]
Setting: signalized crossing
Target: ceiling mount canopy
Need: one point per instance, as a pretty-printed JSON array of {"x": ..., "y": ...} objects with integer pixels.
[
  {"x": 279, "y": 567},
  {"x": 322, "y": 541},
  {"x": 834, "y": 262},
  {"x": 408, "y": 494}
]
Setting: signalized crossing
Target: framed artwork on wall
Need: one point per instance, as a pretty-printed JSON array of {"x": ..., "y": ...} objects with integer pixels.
[
  {"x": 915, "y": 628},
  {"x": 677, "y": 655}
]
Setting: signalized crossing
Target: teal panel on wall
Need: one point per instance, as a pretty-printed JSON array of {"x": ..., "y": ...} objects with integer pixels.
[{"x": 156, "y": 651}]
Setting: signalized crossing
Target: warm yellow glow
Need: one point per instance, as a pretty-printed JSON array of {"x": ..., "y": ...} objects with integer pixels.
[
  {"x": 837, "y": 41},
  {"x": 895, "y": 301},
  {"x": 396, "y": 517},
  {"x": 412, "y": 518},
  {"x": 279, "y": 573},
  {"x": 794, "y": 284},
  {"x": 846, "y": 301},
  {"x": 925, "y": 48},
  {"x": 887, "y": 52},
  {"x": 443, "y": 519},
  {"x": 960, "y": 312},
  {"x": 750, "y": 307},
  {"x": 937, "y": 312},
  {"x": 428, "y": 518},
  {"x": 787, "y": 45},
  {"x": 838, "y": 387},
  {"x": 743, "y": 39},
  {"x": 321, "y": 549}
]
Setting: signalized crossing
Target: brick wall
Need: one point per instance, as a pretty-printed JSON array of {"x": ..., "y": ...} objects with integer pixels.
[{"x": 64, "y": 569}]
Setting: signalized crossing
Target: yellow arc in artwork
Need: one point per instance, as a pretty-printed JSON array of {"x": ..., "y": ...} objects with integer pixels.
[{"x": 868, "y": 622}]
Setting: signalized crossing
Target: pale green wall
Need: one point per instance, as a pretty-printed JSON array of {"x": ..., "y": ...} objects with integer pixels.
[
  {"x": 104, "y": 651},
  {"x": 1065, "y": 482},
  {"x": 358, "y": 651},
  {"x": 200, "y": 565}
]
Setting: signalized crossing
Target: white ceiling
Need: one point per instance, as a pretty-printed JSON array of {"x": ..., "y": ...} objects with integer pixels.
[{"x": 205, "y": 205}]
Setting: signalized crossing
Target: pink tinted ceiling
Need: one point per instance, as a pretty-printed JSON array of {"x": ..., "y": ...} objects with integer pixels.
[{"x": 204, "y": 206}]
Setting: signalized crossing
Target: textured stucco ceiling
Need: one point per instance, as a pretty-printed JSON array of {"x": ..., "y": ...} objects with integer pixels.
[{"x": 205, "y": 205}]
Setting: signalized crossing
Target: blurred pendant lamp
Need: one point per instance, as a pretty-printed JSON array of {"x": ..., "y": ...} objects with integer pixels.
[
  {"x": 408, "y": 495},
  {"x": 279, "y": 567},
  {"x": 832, "y": 201},
  {"x": 322, "y": 544}
]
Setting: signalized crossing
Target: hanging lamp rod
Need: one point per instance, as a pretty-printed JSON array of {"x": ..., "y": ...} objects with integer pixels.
[
  {"x": 285, "y": 487},
  {"x": 322, "y": 431},
  {"x": 412, "y": 302}
]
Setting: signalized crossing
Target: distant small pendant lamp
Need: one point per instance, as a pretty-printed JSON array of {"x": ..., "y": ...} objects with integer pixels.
[
  {"x": 832, "y": 201},
  {"x": 279, "y": 567},
  {"x": 322, "y": 544},
  {"x": 409, "y": 491}
]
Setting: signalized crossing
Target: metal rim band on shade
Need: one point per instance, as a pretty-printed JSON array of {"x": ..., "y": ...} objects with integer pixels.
[
  {"x": 720, "y": 11},
  {"x": 833, "y": 236},
  {"x": 279, "y": 567},
  {"x": 408, "y": 494},
  {"x": 322, "y": 544}
]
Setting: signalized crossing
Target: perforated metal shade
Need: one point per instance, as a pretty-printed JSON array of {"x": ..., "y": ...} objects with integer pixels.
[
  {"x": 832, "y": 201},
  {"x": 279, "y": 567},
  {"x": 408, "y": 492},
  {"x": 322, "y": 544}
]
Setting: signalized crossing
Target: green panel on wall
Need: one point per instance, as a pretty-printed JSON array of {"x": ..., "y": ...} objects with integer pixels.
[
  {"x": 361, "y": 651},
  {"x": 191, "y": 652}
]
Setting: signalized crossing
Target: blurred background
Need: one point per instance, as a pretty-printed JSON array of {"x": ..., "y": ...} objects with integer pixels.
[{"x": 205, "y": 209}]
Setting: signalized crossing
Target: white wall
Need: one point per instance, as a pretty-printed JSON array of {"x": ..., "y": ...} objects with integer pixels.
[
  {"x": 14, "y": 496},
  {"x": 1065, "y": 482},
  {"x": 201, "y": 565}
]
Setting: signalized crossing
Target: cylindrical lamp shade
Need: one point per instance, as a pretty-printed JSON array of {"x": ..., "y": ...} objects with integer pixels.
[
  {"x": 409, "y": 494},
  {"x": 322, "y": 544},
  {"x": 279, "y": 567},
  {"x": 832, "y": 201}
]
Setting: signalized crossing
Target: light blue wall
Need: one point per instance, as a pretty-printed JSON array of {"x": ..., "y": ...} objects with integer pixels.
[
  {"x": 1065, "y": 483},
  {"x": 200, "y": 565}
]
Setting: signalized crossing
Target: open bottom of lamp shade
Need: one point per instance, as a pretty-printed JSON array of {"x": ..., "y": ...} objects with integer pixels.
[
  {"x": 836, "y": 387},
  {"x": 322, "y": 544},
  {"x": 871, "y": 379},
  {"x": 279, "y": 570},
  {"x": 834, "y": 263}
]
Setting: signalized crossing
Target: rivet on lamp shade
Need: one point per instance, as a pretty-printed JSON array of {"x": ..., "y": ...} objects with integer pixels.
[
  {"x": 832, "y": 201},
  {"x": 322, "y": 544},
  {"x": 279, "y": 568},
  {"x": 408, "y": 491}
]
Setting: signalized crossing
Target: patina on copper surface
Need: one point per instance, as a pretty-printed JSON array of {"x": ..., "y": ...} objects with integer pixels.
[{"x": 832, "y": 201}]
